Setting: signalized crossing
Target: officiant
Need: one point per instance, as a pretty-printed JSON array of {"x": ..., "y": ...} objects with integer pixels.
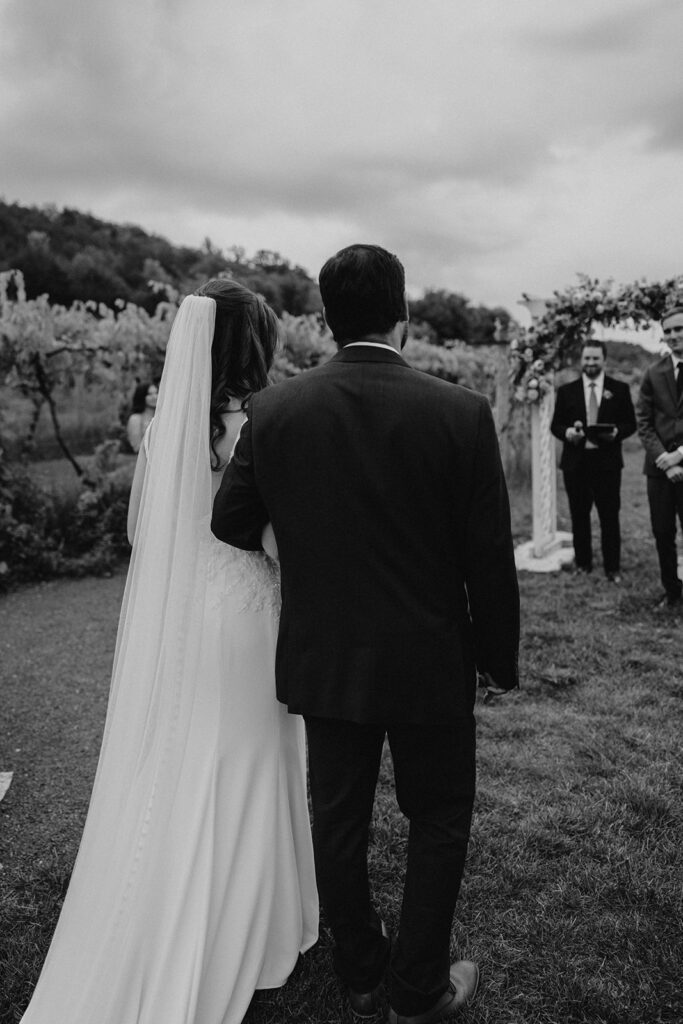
[{"x": 592, "y": 417}]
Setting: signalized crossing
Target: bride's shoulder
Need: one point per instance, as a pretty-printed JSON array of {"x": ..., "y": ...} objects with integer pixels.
[{"x": 232, "y": 421}]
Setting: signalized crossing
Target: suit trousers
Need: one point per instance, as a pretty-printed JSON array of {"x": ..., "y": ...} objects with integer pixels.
[
  {"x": 666, "y": 501},
  {"x": 592, "y": 483},
  {"x": 434, "y": 774}
]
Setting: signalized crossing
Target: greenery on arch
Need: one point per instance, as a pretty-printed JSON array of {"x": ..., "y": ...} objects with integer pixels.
[{"x": 555, "y": 338}]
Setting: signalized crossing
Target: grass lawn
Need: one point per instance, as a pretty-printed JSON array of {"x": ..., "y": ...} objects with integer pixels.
[{"x": 573, "y": 894}]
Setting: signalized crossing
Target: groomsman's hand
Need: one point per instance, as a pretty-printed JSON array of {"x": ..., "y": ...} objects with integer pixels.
[
  {"x": 575, "y": 434},
  {"x": 667, "y": 460},
  {"x": 675, "y": 474}
]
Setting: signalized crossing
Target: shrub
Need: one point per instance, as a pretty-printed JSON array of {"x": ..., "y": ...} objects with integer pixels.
[
  {"x": 307, "y": 341},
  {"x": 27, "y": 548},
  {"x": 46, "y": 533}
]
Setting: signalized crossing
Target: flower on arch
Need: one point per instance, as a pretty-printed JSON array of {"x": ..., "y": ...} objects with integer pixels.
[{"x": 554, "y": 340}]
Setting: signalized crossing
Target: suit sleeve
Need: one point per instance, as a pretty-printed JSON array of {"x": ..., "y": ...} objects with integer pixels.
[
  {"x": 490, "y": 574},
  {"x": 239, "y": 514},
  {"x": 645, "y": 416},
  {"x": 560, "y": 421},
  {"x": 626, "y": 423}
]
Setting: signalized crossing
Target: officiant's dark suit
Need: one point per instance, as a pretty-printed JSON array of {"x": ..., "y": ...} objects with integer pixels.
[
  {"x": 592, "y": 471},
  {"x": 386, "y": 494}
]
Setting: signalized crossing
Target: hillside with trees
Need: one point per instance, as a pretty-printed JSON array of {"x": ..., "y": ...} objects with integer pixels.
[{"x": 69, "y": 256}]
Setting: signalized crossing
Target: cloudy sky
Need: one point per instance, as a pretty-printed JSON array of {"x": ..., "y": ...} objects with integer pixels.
[{"x": 498, "y": 146}]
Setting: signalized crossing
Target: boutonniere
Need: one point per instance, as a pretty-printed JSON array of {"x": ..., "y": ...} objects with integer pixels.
[{"x": 607, "y": 394}]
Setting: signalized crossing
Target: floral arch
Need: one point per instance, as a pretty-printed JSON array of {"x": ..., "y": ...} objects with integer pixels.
[{"x": 555, "y": 337}]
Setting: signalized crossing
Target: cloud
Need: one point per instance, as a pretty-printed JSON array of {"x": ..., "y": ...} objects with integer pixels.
[
  {"x": 616, "y": 28},
  {"x": 472, "y": 139}
]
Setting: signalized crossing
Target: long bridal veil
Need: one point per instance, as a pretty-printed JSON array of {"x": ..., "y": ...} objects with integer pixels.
[{"x": 131, "y": 830}]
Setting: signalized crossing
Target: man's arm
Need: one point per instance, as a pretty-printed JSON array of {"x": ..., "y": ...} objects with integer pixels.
[
  {"x": 239, "y": 514},
  {"x": 559, "y": 423},
  {"x": 645, "y": 418},
  {"x": 490, "y": 574},
  {"x": 626, "y": 421},
  {"x": 563, "y": 424}
]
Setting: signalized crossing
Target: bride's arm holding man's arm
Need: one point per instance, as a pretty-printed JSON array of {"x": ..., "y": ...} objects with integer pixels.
[{"x": 239, "y": 515}]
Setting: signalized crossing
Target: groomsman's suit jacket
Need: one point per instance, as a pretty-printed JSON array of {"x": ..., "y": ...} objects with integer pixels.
[
  {"x": 660, "y": 413},
  {"x": 385, "y": 490},
  {"x": 616, "y": 407}
]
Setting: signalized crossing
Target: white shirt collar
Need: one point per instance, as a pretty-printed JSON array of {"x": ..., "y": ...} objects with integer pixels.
[{"x": 372, "y": 344}]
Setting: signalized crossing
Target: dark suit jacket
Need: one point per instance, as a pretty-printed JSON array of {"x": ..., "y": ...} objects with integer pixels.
[
  {"x": 660, "y": 413},
  {"x": 387, "y": 497},
  {"x": 615, "y": 407}
]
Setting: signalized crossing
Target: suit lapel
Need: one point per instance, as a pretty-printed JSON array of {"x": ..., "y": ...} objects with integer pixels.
[
  {"x": 666, "y": 370},
  {"x": 608, "y": 385}
]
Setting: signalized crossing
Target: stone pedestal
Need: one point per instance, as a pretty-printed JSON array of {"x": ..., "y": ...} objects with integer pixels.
[{"x": 548, "y": 548}]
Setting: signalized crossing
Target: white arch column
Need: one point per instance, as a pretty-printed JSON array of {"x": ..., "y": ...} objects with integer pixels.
[{"x": 549, "y": 548}]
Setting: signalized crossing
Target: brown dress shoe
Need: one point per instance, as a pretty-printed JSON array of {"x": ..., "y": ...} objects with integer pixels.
[
  {"x": 367, "y": 1004},
  {"x": 464, "y": 975}
]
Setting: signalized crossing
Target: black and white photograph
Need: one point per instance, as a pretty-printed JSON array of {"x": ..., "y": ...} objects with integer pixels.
[{"x": 341, "y": 512}]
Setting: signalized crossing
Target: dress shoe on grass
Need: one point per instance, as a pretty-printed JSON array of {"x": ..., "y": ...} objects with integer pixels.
[
  {"x": 464, "y": 977},
  {"x": 366, "y": 1004}
]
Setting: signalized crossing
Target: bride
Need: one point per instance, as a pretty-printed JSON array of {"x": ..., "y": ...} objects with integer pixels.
[{"x": 194, "y": 883}]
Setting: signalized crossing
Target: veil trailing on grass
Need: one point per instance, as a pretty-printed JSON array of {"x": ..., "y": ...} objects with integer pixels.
[{"x": 156, "y": 684}]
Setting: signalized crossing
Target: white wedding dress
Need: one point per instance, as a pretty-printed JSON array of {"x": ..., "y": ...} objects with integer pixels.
[{"x": 194, "y": 883}]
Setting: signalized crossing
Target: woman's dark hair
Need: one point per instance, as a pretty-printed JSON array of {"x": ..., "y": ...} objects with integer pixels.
[
  {"x": 139, "y": 396},
  {"x": 245, "y": 339},
  {"x": 363, "y": 292}
]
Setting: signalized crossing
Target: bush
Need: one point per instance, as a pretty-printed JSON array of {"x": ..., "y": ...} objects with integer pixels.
[
  {"x": 307, "y": 341},
  {"x": 27, "y": 547},
  {"x": 44, "y": 533},
  {"x": 460, "y": 363}
]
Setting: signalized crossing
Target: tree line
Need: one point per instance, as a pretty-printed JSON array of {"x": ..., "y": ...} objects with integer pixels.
[{"x": 70, "y": 256}]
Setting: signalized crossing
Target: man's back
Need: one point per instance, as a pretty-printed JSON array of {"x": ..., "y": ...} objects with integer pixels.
[{"x": 388, "y": 504}]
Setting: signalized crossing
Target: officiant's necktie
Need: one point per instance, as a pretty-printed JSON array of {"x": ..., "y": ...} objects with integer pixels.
[{"x": 592, "y": 410}]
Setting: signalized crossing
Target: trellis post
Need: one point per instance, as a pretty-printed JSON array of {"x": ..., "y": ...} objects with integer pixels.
[{"x": 549, "y": 548}]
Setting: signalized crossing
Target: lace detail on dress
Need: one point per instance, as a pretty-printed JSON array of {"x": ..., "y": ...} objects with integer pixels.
[{"x": 250, "y": 575}]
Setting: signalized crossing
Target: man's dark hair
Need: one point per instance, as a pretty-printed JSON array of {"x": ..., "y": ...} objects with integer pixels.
[
  {"x": 363, "y": 291},
  {"x": 594, "y": 343},
  {"x": 674, "y": 311}
]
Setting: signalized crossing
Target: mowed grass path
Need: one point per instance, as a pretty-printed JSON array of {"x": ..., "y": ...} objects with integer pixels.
[{"x": 573, "y": 896}]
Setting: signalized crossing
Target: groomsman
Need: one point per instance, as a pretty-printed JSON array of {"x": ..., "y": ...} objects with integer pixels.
[
  {"x": 660, "y": 426},
  {"x": 591, "y": 462}
]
